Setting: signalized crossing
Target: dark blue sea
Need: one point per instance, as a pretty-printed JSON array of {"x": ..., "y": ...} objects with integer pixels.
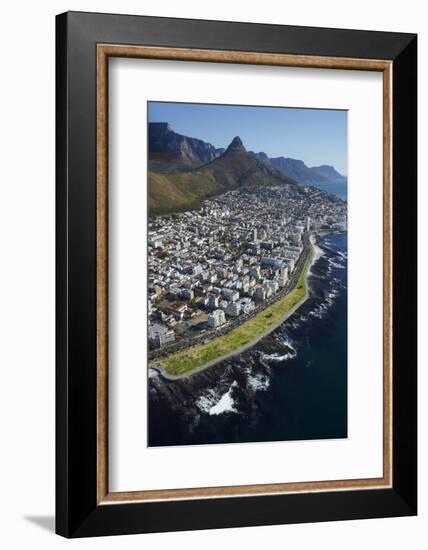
[{"x": 291, "y": 386}]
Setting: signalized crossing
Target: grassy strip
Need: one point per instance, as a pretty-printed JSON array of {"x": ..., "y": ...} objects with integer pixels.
[{"x": 191, "y": 358}]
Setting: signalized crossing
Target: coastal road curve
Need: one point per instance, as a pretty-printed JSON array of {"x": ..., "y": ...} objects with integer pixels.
[{"x": 166, "y": 375}]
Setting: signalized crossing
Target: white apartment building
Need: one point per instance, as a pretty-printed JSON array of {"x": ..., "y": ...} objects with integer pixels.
[{"x": 216, "y": 318}]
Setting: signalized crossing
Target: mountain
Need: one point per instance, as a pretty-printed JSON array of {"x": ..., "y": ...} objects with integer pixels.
[
  {"x": 329, "y": 172},
  {"x": 173, "y": 152},
  {"x": 234, "y": 168},
  {"x": 298, "y": 170},
  {"x": 170, "y": 152},
  {"x": 261, "y": 156}
]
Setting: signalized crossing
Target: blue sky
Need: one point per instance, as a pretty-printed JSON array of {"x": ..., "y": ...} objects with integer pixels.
[{"x": 315, "y": 136}]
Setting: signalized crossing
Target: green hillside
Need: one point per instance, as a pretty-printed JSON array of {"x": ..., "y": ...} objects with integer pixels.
[{"x": 236, "y": 167}]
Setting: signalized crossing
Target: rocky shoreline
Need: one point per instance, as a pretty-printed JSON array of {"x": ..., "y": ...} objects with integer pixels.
[
  {"x": 227, "y": 402},
  {"x": 313, "y": 254}
]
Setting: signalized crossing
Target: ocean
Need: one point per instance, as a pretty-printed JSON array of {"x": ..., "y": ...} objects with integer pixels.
[
  {"x": 292, "y": 385},
  {"x": 339, "y": 187}
]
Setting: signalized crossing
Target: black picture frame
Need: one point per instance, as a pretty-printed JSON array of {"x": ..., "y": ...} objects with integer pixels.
[{"x": 77, "y": 512}]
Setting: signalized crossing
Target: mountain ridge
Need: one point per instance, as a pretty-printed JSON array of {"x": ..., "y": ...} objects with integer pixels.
[
  {"x": 183, "y": 171},
  {"x": 170, "y": 151},
  {"x": 298, "y": 170},
  {"x": 233, "y": 169}
]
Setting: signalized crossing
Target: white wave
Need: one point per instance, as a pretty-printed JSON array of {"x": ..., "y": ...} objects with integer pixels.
[
  {"x": 335, "y": 264},
  {"x": 318, "y": 312},
  {"x": 287, "y": 342},
  {"x": 205, "y": 402},
  {"x": 318, "y": 252},
  {"x": 258, "y": 382},
  {"x": 277, "y": 357},
  {"x": 211, "y": 404},
  {"x": 329, "y": 297},
  {"x": 226, "y": 404}
]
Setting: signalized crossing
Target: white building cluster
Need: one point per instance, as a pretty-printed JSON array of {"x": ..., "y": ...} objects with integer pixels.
[{"x": 215, "y": 265}]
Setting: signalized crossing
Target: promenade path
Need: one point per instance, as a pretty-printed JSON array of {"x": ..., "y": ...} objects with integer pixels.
[{"x": 253, "y": 342}]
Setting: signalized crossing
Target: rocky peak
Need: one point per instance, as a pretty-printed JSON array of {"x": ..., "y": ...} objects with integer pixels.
[
  {"x": 236, "y": 145},
  {"x": 161, "y": 126}
]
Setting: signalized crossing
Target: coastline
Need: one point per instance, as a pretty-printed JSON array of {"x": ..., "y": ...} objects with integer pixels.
[{"x": 314, "y": 254}]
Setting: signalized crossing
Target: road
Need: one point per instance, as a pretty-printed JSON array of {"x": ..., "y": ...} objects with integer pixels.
[
  {"x": 292, "y": 283},
  {"x": 184, "y": 343}
]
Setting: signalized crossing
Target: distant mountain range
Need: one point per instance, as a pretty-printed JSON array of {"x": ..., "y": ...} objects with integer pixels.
[
  {"x": 298, "y": 170},
  {"x": 183, "y": 170}
]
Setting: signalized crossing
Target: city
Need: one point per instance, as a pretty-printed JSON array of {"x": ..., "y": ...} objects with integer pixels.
[{"x": 211, "y": 269}]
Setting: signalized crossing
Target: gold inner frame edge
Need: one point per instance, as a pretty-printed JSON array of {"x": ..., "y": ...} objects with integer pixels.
[{"x": 104, "y": 51}]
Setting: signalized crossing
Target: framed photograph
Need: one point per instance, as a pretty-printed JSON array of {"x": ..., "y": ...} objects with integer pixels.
[{"x": 236, "y": 274}]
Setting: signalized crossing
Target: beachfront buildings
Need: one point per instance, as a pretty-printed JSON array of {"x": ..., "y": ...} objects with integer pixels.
[
  {"x": 216, "y": 318},
  {"x": 214, "y": 266},
  {"x": 160, "y": 335}
]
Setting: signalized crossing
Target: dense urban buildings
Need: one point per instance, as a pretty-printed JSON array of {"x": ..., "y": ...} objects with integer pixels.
[{"x": 211, "y": 267}]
